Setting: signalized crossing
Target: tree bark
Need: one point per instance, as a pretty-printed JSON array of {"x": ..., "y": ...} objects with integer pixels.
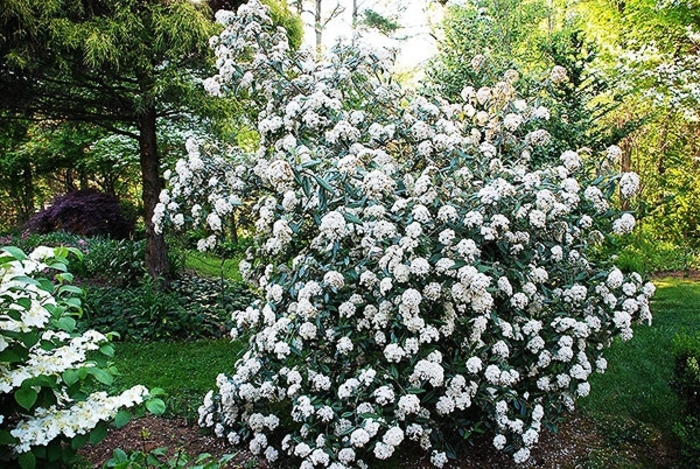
[{"x": 156, "y": 249}]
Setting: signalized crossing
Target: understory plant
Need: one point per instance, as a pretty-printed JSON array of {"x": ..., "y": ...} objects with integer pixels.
[
  {"x": 48, "y": 372},
  {"x": 686, "y": 385},
  {"x": 424, "y": 279},
  {"x": 192, "y": 308}
]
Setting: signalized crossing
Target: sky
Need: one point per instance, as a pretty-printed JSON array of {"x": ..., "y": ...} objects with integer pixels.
[{"x": 417, "y": 44}]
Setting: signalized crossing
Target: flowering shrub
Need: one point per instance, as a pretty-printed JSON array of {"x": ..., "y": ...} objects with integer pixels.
[
  {"x": 47, "y": 412},
  {"x": 422, "y": 281}
]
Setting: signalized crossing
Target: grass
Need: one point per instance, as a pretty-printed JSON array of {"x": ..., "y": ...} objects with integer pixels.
[
  {"x": 635, "y": 385},
  {"x": 209, "y": 265},
  {"x": 185, "y": 370}
]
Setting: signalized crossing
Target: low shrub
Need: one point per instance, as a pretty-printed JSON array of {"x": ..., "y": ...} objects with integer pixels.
[
  {"x": 192, "y": 308},
  {"x": 84, "y": 212},
  {"x": 105, "y": 261},
  {"x": 686, "y": 385},
  {"x": 158, "y": 459},
  {"x": 647, "y": 254}
]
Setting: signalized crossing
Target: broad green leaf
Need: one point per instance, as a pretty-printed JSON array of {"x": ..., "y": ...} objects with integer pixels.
[
  {"x": 66, "y": 323},
  {"x": 119, "y": 455},
  {"x": 107, "y": 349},
  {"x": 122, "y": 418},
  {"x": 6, "y": 438},
  {"x": 70, "y": 289},
  {"x": 27, "y": 460},
  {"x": 155, "y": 406},
  {"x": 15, "y": 252},
  {"x": 70, "y": 377},
  {"x": 98, "y": 433},
  {"x": 78, "y": 441},
  {"x": 26, "y": 397},
  {"x": 101, "y": 375}
]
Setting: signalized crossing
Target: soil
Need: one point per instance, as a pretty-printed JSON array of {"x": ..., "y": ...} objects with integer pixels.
[{"x": 579, "y": 443}]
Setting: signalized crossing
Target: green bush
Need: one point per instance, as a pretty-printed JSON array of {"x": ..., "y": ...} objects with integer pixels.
[
  {"x": 49, "y": 371},
  {"x": 158, "y": 459},
  {"x": 193, "y": 308},
  {"x": 686, "y": 384},
  {"x": 105, "y": 261},
  {"x": 651, "y": 256}
]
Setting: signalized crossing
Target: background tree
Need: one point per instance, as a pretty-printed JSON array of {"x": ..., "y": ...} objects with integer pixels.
[{"x": 120, "y": 65}]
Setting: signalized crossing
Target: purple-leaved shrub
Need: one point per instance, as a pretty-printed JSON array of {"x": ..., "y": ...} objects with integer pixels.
[{"x": 85, "y": 212}]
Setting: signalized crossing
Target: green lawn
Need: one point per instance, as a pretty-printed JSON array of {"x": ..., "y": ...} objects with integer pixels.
[
  {"x": 185, "y": 370},
  {"x": 208, "y": 265},
  {"x": 635, "y": 385}
]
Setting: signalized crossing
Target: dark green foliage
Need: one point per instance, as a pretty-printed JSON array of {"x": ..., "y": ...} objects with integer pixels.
[
  {"x": 105, "y": 261},
  {"x": 647, "y": 253},
  {"x": 158, "y": 458},
  {"x": 372, "y": 19},
  {"x": 686, "y": 385},
  {"x": 85, "y": 212},
  {"x": 192, "y": 308}
]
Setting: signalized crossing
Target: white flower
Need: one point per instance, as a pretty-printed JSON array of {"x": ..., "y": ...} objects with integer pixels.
[
  {"x": 522, "y": 455},
  {"x": 394, "y": 353},
  {"x": 558, "y": 75},
  {"x": 474, "y": 365},
  {"x": 333, "y": 226},
  {"x": 629, "y": 184},
  {"x": 359, "y": 438},
  {"x": 438, "y": 458},
  {"x": 499, "y": 441},
  {"x": 624, "y": 224},
  {"x": 344, "y": 345},
  {"x": 393, "y": 436},
  {"x": 409, "y": 404}
]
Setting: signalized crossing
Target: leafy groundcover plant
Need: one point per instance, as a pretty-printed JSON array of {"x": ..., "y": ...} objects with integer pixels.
[
  {"x": 47, "y": 410},
  {"x": 423, "y": 279}
]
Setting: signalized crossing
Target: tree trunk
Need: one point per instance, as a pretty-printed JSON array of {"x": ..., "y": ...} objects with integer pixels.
[
  {"x": 318, "y": 28},
  {"x": 156, "y": 249}
]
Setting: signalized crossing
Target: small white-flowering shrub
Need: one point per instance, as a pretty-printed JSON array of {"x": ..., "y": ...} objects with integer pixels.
[
  {"x": 421, "y": 279},
  {"x": 47, "y": 411}
]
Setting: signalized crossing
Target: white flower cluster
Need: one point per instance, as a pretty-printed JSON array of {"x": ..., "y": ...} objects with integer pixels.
[
  {"x": 29, "y": 313},
  {"x": 415, "y": 269}
]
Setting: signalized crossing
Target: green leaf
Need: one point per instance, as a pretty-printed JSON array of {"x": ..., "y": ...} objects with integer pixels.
[
  {"x": 311, "y": 163},
  {"x": 119, "y": 455},
  {"x": 122, "y": 418},
  {"x": 155, "y": 406},
  {"x": 29, "y": 340},
  {"x": 98, "y": 433},
  {"x": 108, "y": 350},
  {"x": 70, "y": 289},
  {"x": 101, "y": 375},
  {"x": 352, "y": 218},
  {"x": 70, "y": 377},
  {"x": 66, "y": 323},
  {"x": 26, "y": 397},
  {"x": 54, "y": 451},
  {"x": 27, "y": 460},
  {"x": 15, "y": 252},
  {"x": 6, "y": 438},
  {"x": 155, "y": 392},
  {"x": 10, "y": 356},
  {"x": 78, "y": 441},
  {"x": 323, "y": 183}
]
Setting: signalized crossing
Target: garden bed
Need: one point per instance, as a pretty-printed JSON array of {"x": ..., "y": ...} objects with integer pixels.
[{"x": 580, "y": 442}]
